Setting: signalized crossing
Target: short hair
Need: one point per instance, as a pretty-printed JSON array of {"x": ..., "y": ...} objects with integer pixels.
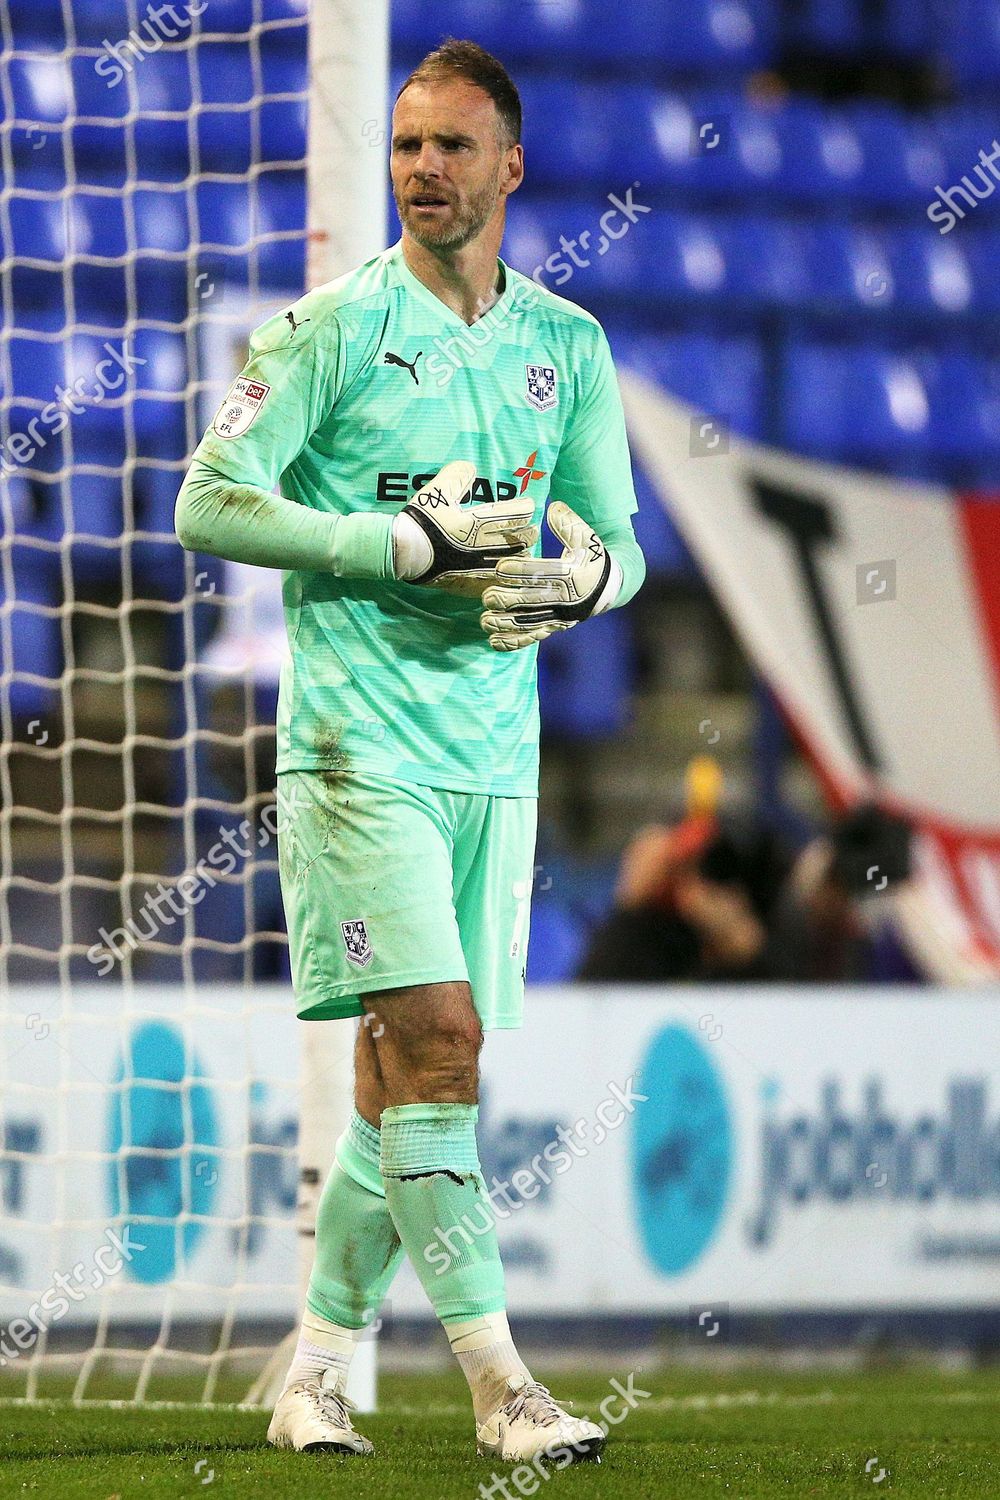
[{"x": 464, "y": 59}]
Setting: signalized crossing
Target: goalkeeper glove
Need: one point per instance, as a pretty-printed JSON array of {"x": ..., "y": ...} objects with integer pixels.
[
  {"x": 438, "y": 541},
  {"x": 533, "y": 596}
]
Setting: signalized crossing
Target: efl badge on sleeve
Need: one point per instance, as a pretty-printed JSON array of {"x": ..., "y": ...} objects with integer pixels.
[
  {"x": 237, "y": 412},
  {"x": 542, "y": 392},
  {"x": 359, "y": 949}
]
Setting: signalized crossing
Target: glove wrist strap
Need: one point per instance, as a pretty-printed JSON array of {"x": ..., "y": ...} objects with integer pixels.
[{"x": 612, "y": 588}]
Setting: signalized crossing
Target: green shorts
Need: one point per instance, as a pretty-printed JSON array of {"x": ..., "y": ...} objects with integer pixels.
[{"x": 388, "y": 884}]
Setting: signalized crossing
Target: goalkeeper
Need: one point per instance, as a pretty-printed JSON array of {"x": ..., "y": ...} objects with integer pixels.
[{"x": 407, "y": 526}]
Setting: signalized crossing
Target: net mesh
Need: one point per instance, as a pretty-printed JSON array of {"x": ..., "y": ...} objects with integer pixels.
[{"x": 153, "y": 211}]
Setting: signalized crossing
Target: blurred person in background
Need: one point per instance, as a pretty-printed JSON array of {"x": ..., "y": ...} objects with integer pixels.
[{"x": 718, "y": 898}]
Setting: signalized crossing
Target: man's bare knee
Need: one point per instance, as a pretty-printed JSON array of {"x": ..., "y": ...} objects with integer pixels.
[{"x": 428, "y": 1042}]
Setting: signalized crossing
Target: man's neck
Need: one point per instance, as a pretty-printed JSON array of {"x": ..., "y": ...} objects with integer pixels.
[{"x": 469, "y": 282}]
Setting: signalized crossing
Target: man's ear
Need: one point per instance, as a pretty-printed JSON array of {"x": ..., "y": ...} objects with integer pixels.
[{"x": 515, "y": 171}]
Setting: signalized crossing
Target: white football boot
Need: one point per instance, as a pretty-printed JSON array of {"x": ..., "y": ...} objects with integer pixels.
[
  {"x": 530, "y": 1424},
  {"x": 314, "y": 1417}
]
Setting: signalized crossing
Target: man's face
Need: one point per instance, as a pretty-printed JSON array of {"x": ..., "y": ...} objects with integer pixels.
[{"x": 450, "y": 172}]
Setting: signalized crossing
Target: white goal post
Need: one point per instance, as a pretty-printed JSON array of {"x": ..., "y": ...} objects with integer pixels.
[
  {"x": 346, "y": 205},
  {"x": 157, "y": 1097}
]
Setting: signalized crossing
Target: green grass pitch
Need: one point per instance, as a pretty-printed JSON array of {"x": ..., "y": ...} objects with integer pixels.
[{"x": 741, "y": 1434}]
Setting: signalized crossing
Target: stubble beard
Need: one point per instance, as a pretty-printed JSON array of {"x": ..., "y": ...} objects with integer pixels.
[{"x": 468, "y": 222}]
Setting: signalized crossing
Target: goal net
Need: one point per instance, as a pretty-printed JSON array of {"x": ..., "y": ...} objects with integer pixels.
[{"x": 157, "y": 161}]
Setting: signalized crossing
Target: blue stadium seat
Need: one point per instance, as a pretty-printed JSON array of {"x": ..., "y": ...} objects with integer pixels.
[
  {"x": 823, "y": 158},
  {"x": 165, "y": 361},
  {"x": 825, "y": 25},
  {"x": 35, "y": 636},
  {"x": 38, "y": 226},
  {"x": 159, "y": 565},
  {"x": 851, "y": 270},
  {"x": 563, "y": 244},
  {"x": 768, "y": 262},
  {"x": 98, "y": 519},
  {"x": 907, "y": 28},
  {"x": 965, "y": 416},
  {"x": 42, "y": 447},
  {"x": 578, "y": 702},
  {"x": 37, "y": 367},
  {"x": 96, "y": 505},
  {"x": 226, "y": 73},
  {"x": 556, "y": 943},
  {"x": 283, "y": 121},
  {"x": 242, "y": 15},
  {"x": 38, "y": 156},
  {"x": 687, "y": 35},
  {"x": 102, "y": 157},
  {"x": 163, "y": 84},
  {"x": 963, "y": 132},
  {"x": 100, "y": 438},
  {"x": 40, "y": 88},
  {"x": 234, "y": 215},
  {"x": 161, "y": 220},
  {"x": 663, "y": 547},
  {"x": 93, "y": 94},
  {"x": 97, "y": 224},
  {"x": 281, "y": 209},
  {"x": 685, "y": 257},
  {"x": 723, "y": 376},
  {"x": 34, "y": 508},
  {"x": 227, "y": 138},
  {"x": 34, "y": 18},
  {"x": 582, "y": 150},
  {"x": 859, "y": 404},
  {"x": 536, "y": 29},
  {"x": 159, "y": 407},
  {"x": 935, "y": 274},
  {"x": 972, "y": 42},
  {"x": 687, "y": 141},
  {"x": 983, "y": 250},
  {"x": 903, "y": 158}
]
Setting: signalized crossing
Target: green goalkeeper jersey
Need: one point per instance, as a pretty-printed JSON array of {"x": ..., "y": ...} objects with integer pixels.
[{"x": 349, "y": 403}]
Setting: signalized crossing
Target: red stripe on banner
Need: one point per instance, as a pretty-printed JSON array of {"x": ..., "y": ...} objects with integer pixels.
[
  {"x": 969, "y": 860},
  {"x": 980, "y": 518}
]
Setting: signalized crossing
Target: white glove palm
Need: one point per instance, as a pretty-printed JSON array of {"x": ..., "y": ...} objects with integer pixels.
[
  {"x": 533, "y": 596},
  {"x": 438, "y": 541}
]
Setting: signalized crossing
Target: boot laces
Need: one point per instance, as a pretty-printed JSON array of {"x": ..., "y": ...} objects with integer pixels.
[
  {"x": 332, "y": 1406},
  {"x": 535, "y": 1402}
]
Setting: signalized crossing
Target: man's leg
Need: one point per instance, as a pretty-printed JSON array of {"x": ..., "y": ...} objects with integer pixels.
[
  {"x": 428, "y": 1040},
  {"x": 358, "y": 1251}
]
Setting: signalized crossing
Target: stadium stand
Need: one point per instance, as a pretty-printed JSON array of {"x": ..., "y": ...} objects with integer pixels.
[{"x": 786, "y": 276}]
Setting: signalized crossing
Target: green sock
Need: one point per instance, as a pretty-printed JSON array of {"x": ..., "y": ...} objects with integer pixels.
[
  {"x": 435, "y": 1192},
  {"x": 357, "y": 1248}
]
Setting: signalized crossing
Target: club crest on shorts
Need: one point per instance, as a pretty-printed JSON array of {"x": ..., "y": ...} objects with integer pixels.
[
  {"x": 542, "y": 386},
  {"x": 244, "y": 401},
  {"x": 359, "y": 949}
]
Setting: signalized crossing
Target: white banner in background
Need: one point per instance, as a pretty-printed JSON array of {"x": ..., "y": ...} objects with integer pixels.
[
  {"x": 645, "y": 1152},
  {"x": 872, "y": 607}
]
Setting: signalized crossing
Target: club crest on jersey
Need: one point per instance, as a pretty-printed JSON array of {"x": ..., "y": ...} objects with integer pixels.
[
  {"x": 359, "y": 949},
  {"x": 237, "y": 412},
  {"x": 542, "y": 383}
]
